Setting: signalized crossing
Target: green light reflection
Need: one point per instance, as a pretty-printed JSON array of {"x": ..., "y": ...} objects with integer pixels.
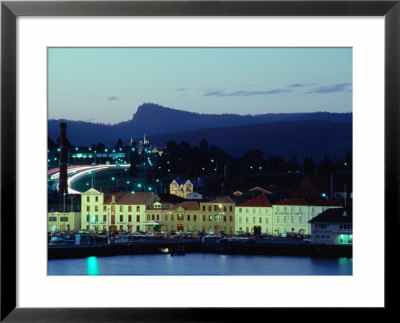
[{"x": 92, "y": 266}]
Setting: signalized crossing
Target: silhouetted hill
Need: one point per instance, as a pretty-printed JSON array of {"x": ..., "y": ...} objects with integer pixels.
[{"x": 234, "y": 133}]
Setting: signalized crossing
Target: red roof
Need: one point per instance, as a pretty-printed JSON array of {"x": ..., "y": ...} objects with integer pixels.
[
  {"x": 292, "y": 202},
  {"x": 127, "y": 198},
  {"x": 188, "y": 206},
  {"x": 225, "y": 199},
  {"x": 259, "y": 201}
]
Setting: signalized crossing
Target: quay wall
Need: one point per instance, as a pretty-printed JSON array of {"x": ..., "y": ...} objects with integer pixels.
[{"x": 245, "y": 247}]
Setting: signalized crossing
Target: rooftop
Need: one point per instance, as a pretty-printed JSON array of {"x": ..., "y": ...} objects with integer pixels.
[
  {"x": 259, "y": 201},
  {"x": 334, "y": 216}
]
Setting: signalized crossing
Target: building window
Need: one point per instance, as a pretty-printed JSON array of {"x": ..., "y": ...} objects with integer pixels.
[
  {"x": 259, "y": 220},
  {"x": 194, "y": 217},
  {"x": 130, "y": 208},
  {"x": 121, "y": 218},
  {"x": 247, "y": 220},
  {"x": 87, "y": 198},
  {"x": 240, "y": 219},
  {"x": 188, "y": 217},
  {"x": 152, "y": 217},
  {"x": 104, "y": 208},
  {"x": 209, "y": 208},
  {"x": 210, "y": 218},
  {"x": 96, "y": 198},
  {"x": 96, "y": 208},
  {"x": 240, "y": 210},
  {"x": 266, "y": 220},
  {"x": 204, "y": 207},
  {"x": 52, "y": 219},
  {"x": 285, "y": 219},
  {"x": 137, "y": 218},
  {"x": 138, "y": 209},
  {"x": 204, "y": 217},
  {"x": 121, "y": 208},
  {"x": 121, "y": 228},
  {"x": 224, "y": 208},
  {"x": 247, "y": 210},
  {"x": 230, "y": 218},
  {"x": 158, "y": 217},
  {"x": 254, "y": 219},
  {"x": 130, "y": 218},
  {"x": 292, "y": 219},
  {"x": 300, "y": 219},
  {"x": 104, "y": 218},
  {"x": 87, "y": 208},
  {"x": 64, "y": 219},
  {"x": 278, "y": 219},
  {"x": 230, "y": 208},
  {"x": 180, "y": 217},
  {"x": 224, "y": 218},
  {"x": 148, "y": 217}
]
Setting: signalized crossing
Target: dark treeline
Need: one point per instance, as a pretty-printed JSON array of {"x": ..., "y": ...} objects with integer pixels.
[{"x": 204, "y": 159}]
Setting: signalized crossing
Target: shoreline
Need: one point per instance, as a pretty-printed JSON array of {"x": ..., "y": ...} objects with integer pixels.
[{"x": 219, "y": 246}]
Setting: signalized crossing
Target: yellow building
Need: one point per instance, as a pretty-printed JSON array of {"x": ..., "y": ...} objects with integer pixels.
[
  {"x": 218, "y": 216},
  {"x": 252, "y": 213},
  {"x": 292, "y": 215},
  {"x": 60, "y": 221},
  {"x": 123, "y": 211}
]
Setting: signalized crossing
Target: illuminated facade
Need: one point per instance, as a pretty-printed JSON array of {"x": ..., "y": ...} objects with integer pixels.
[
  {"x": 116, "y": 212},
  {"x": 252, "y": 213},
  {"x": 333, "y": 227},
  {"x": 63, "y": 221}
]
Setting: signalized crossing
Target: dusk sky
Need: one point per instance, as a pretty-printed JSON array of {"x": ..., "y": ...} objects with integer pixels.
[{"x": 106, "y": 85}]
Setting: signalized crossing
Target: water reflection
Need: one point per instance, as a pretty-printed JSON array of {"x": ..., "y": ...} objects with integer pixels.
[{"x": 92, "y": 266}]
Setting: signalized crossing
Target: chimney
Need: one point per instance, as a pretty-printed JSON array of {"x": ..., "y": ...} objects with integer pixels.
[{"x": 63, "y": 179}]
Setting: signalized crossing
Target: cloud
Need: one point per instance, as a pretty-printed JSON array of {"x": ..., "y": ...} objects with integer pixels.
[
  {"x": 340, "y": 87},
  {"x": 298, "y": 85},
  {"x": 112, "y": 98},
  {"x": 246, "y": 93}
]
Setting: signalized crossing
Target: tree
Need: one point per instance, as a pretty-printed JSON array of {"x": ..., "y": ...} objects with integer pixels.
[
  {"x": 118, "y": 144},
  {"x": 309, "y": 165},
  {"x": 326, "y": 166},
  {"x": 132, "y": 170}
]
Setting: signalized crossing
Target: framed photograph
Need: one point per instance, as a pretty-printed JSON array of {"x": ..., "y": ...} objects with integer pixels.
[{"x": 209, "y": 149}]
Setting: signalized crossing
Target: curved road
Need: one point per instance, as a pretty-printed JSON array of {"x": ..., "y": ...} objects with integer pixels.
[{"x": 74, "y": 172}]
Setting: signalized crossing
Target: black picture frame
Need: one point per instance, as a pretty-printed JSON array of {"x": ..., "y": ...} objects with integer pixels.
[{"x": 10, "y": 10}]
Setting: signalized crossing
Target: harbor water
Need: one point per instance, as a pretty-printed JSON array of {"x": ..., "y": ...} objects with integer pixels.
[{"x": 201, "y": 264}]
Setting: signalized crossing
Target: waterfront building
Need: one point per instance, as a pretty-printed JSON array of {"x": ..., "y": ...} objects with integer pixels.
[
  {"x": 218, "y": 215},
  {"x": 333, "y": 227},
  {"x": 256, "y": 212},
  {"x": 63, "y": 221},
  {"x": 184, "y": 217},
  {"x": 290, "y": 216},
  {"x": 123, "y": 211},
  {"x": 293, "y": 215},
  {"x": 316, "y": 208}
]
